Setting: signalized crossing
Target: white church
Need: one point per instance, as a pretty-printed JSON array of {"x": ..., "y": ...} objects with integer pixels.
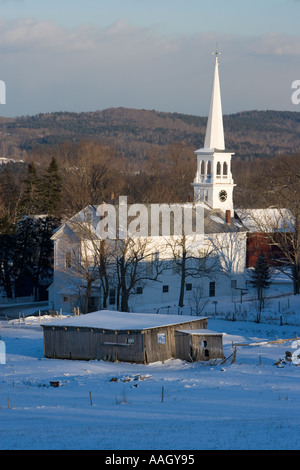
[{"x": 172, "y": 270}]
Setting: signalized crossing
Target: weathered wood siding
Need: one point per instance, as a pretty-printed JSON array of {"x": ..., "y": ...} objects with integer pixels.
[
  {"x": 92, "y": 343},
  {"x": 149, "y": 345},
  {"x": 198, "y": 347},
  {"x": 159, "y": 348}
]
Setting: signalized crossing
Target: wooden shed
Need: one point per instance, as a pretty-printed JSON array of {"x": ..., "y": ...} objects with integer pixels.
[
  {"x": 119, "y": 336},
  {"x": 198, "y": 345}
]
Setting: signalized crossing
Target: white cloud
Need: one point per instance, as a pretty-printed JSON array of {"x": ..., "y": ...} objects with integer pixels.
[
  {"x": 276, "y": 44},
  {"x": 50, "y": 68}
]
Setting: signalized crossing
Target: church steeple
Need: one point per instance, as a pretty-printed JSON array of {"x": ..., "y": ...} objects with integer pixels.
[
  {"x": 213, "y": 183},
  {"x": 214, "y": 138}
]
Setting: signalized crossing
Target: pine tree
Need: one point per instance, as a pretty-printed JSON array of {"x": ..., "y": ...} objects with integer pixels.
[
  {"x": 50, "y": 190},
  {"x": 260, "y": 278},
  {"x": 30, "y": 201}
]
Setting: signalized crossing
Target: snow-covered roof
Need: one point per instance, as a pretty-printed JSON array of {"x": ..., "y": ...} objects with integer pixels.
[
  {"x": 201, "y": 332},
  {"x": 114, "y": 320},
  {"x": 266, "y": 220}
]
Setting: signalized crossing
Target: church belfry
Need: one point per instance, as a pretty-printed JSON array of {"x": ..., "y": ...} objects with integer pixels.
[{"x": 213, "y": 183}]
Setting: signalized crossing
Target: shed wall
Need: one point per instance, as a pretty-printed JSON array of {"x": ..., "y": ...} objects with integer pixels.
[
  {"x": 156, "y": 350},
  {"x": 202, "y": 347},
  {"x": 90, "y": 344},
  {"x": 149, "y": 345}
]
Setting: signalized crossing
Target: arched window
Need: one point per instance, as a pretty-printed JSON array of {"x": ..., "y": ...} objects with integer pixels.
[
  {"x": 208, "y": 168},
  {"x": 225, "y": 169},
  {"x": 202, "y": 168},
  {"x": 218, "y": 169}
]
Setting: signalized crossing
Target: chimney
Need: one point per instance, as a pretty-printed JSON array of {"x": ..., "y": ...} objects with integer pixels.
[{"x": 228, "y": 216}]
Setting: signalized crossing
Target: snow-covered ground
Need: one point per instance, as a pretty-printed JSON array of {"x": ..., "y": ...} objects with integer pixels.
[{"x": 249, "y": 404}]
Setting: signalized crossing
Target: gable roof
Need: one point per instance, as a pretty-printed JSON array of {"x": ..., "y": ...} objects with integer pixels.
[
  {"x": 214, "y": 221},
  {"x": 114, "y": 320},
  {"x": 266, "y": 220}
]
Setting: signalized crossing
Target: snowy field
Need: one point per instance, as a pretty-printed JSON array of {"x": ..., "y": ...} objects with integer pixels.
[{"x": 249, "y": 404}]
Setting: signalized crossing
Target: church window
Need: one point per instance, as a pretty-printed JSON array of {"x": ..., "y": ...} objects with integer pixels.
[
  {"x": 208, "y": 168},
  {"x": 68, "y": 260},
  {"x": 88, "y": 216},
  {"x": 212, "y": 289},
  {"x": 218, "y": 169},
  {"x": 202, "y": 168},
  {"x": 225, "y": 169}
]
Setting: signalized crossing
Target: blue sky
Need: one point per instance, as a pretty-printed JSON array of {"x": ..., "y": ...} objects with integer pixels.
[
  {"x": 171, "y": 16},
  {"x": 84, "y": 55}
]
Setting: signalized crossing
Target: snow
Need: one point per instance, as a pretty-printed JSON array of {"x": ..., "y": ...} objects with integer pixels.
[
  {"x": 205, "y": 332},
  {"x": 252, "y": 403},
  {"x": 112, "y": 320},
  {"x": 217, "y": 219}
]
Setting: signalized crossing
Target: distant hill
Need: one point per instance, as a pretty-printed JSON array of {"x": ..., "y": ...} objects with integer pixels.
[{"x": 249, "y": 134}]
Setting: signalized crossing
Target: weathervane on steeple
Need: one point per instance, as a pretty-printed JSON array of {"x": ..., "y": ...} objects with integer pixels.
[{"x": 217, "y": 53}]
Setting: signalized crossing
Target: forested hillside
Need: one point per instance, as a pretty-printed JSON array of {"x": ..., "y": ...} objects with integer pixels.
[{"x": 133, "y": 132}]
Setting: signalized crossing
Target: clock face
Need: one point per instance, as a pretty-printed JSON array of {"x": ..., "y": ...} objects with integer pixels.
[{"x": 222, "y": 195}]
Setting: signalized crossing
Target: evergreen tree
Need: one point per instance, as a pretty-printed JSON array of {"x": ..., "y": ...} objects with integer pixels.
[
  {"x": 260, "y": 278},
  {"x": 30, "y": 201},
  {"x": 50, "y": 190}
]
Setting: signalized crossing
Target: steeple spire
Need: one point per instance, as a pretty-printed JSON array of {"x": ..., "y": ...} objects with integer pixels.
[
  {"x": 213, "y": 183},
  {"x": 214, "y": 137}
]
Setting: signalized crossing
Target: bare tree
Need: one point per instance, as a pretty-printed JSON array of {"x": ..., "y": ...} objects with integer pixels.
[
  {"x": 280, "y": 222},
  {"x": 198, "y": 301},
  {"x": 90, "y": 175},
  {"x": 189, "y": 260},
  {"x": 136, "y": 267}
]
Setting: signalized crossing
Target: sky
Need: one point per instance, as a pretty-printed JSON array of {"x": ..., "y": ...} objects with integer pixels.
[{"x": 87, "y": 55}]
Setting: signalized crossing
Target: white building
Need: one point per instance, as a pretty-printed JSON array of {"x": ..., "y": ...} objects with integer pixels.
[{"x": 214, "y": 252}]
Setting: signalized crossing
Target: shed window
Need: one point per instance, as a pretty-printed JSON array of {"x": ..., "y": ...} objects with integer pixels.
[
  {"x": 161, "y": 338},
  {"x": 139, "y": 290},
  {"x": 165, "y": 288},
  {"x": 188, "y": 286}
]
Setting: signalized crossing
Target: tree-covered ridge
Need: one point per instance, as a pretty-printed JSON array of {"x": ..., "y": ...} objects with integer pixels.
[{"x": 250, "y": 134}]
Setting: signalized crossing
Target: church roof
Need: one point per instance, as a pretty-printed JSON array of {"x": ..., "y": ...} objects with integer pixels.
[
  {"x": 266, "y": 220},
  {"x": 214, "y": 221}
]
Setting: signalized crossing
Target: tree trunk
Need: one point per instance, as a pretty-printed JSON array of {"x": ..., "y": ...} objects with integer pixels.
[
  {"x": 296, "y": 279},
  {"x": 87, "y": 296},
  {"x": 124, "y": 302},
  {"x": 182, "y": 280}
]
